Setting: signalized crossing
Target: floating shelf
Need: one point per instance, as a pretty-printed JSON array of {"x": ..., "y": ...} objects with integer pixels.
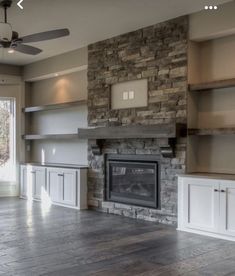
[
  {"x": 212, "y": 85},
  {"x": 50, "y": 136},
  {"x": 211, "y": 131},
  {"x": 169, "y": 131},
  {"x": 53, "y": 106}
]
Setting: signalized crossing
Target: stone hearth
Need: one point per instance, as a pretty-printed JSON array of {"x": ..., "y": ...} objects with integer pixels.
[{"x": 158, "y": 53}]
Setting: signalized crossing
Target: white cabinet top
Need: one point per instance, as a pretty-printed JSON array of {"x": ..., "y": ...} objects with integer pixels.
[{"x": 217, "y": 176}]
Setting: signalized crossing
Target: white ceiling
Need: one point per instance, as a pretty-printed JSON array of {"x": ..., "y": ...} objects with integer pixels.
[{"x": 89, "y": 21}]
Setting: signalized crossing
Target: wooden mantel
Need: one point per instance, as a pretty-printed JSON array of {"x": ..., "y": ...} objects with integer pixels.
[{"x": 169, "y": 131}]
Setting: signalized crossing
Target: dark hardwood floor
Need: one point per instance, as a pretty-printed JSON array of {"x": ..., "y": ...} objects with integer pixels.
[{"x": 59, "y": 241}]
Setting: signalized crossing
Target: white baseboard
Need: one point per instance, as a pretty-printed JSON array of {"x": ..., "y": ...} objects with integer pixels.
[
  {"x": 8, "y": 190},
  {"x": 208, "y": 234}
]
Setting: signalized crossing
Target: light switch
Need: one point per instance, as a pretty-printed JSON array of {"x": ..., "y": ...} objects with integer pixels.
[
  {"x": 131, "y": 95},
  {"x": 125, "y": 96}
]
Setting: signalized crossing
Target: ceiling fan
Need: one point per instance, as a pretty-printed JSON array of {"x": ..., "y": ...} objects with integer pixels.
[{"x": 10, "y": 39}]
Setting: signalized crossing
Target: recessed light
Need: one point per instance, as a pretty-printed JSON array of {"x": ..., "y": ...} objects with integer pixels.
[
  {"x": 210, "y": 7},
  {"x": 215, "y": 7},
  {"x": 206, "y": 7},
  {"x": 11, "y": 51}
]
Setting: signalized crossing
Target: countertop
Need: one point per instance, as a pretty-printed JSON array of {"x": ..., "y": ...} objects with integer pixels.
[
  {"x": 57, "y": 165},
  {"x": 219, "y": 176}
]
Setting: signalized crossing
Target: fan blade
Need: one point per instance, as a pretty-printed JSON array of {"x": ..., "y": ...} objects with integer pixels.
[
  {"x": 25, "y": 49},
  {"x": 45, "y": 36}
]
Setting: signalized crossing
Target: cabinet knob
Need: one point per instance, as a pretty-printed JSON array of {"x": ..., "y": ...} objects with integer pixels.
[
  {"x": 215, "y": 190},
  {"x": 223, "y": 191}
]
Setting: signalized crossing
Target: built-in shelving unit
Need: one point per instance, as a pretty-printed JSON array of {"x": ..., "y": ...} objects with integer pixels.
[
  {"x": 212, "y": 85},
  {"x": 211, "y": 107},
  {"x": 211, "y": 131},
  {"x": 53, "y": 106}
]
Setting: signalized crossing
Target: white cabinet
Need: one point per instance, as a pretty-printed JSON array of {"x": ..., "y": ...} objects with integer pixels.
[
  {"x": 23, "y": 181},
  {"x": 207, "y": 206},
  {"x": 33, "y": 182},
  {"x": 38, "y": 179},
  {"x": 69, "y": 192},
  {"x": 227, "y": 208},
  {"x": 54, "y": 184},
  {"x": 202, "y": 201},
  {"x": 61, "y": 186}
]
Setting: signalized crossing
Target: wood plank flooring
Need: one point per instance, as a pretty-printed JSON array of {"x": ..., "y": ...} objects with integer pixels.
[{"x": 36, "y": 240}]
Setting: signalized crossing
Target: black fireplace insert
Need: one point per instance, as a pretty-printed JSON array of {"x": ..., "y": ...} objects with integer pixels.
[{"x": 133, "y": 179}]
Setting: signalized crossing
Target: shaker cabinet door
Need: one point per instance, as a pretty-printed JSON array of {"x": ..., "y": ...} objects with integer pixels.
[
  {"x": 227, "y": 208},
  {"x": 69, "y": 187},
  {"x": 201, "y": 204}
]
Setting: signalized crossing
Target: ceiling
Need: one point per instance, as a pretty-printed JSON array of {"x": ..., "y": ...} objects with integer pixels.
[{"x": 89, "y": 21}]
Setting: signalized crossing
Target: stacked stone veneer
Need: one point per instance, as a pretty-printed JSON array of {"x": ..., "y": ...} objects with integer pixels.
[{"x": 158, "y": 53}]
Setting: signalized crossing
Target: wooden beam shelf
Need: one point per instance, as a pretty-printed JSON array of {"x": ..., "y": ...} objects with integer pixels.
[
  {"x": 135, "y": 131},
  {"x": 212, "y": 85},
  {"x": 168, "y": 131},
  {"x": 50, "y": 136},
  {"x": 53, "y": 106},
  {"x": 211, "y": 131}
]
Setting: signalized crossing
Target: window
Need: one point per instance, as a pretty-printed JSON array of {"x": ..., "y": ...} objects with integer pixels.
[{"x": 7, "y": 140}]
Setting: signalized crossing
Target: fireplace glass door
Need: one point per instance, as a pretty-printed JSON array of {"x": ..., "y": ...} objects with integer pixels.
[{"x": 133, "y": 182}]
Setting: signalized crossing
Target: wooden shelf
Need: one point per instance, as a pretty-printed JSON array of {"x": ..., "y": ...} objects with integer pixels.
[
  {"x": 169, "y": 131},
  {"x": 212, "y": 85},
  {"x": 136, "y": 131},
  {"x": 50, "y": 136},
  {"x": 211, "y": 131},
  {"x": 53, "y": 106}
]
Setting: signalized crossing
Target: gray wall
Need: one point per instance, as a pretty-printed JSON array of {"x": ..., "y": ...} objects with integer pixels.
[
  {"x": 56, "y": 64},
  {"x": 12, "y": 70}
]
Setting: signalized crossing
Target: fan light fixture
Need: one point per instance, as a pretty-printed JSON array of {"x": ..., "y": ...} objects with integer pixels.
[{"x": 10, "y": 39}]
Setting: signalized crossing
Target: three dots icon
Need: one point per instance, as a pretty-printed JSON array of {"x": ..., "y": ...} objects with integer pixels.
[{"x": 210, "y": 7}]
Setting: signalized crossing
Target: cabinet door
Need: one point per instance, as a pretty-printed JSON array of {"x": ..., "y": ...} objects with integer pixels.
[
  {"x": 38, "y": 182},
  {"x": 227, "y": 208},
  {"x": 201, "y": 204},
  {"x": 23, "y": 181},
  {"x": 69, "y": 187},
  {"x": 54, "y": 182}
]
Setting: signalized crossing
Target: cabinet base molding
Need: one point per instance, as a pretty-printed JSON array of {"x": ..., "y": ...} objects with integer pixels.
[
  {"x": 208, "y": 234},
  {"x": 57, "y": 204}
]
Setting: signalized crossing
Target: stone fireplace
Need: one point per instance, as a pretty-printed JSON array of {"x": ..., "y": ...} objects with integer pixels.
[
  {"x": 159, "y": 54},
  {"x": 133, "y": 179}
]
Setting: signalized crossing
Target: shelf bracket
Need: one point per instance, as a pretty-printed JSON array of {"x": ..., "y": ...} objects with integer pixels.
[
  {"x": 168, "y": 151},
  {"x": 96, "y": 146}
]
